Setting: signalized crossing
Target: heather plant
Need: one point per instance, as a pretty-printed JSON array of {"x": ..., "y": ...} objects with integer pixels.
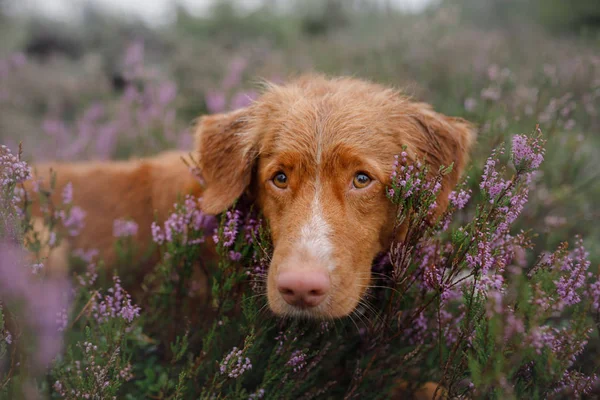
[
  {"x": 138, "y": 118},
  {"x": 453, "y": 303},
  {"x": 454, "y": 299},
  {"x": 31, "y": 324}
]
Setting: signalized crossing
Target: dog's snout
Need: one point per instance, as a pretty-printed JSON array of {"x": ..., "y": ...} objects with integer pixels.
[{"x": 303, "y": 288}]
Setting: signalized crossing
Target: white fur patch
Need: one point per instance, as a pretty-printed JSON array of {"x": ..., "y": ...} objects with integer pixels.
[{"x": 314, "y": 236}]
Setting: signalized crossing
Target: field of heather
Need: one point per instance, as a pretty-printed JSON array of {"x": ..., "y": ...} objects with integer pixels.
[{"x": 499, "y": 298}]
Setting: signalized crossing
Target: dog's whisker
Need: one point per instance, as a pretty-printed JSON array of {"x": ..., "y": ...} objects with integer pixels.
[
  {"x": 255, "y": 296},
  {"x": 351, "y": 317},
  {"x": 380, "y": 287},
  {"x": 375, "y": 313},
  {"x": 263, "y": 308}
]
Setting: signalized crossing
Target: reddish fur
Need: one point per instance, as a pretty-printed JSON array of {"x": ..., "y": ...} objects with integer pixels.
[
  {"x": 135, "y": 189},
  {"x": 360, "y": 127}
]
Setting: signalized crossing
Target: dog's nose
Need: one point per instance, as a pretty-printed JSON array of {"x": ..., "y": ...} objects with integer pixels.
[{"x": 303, "y": 288}]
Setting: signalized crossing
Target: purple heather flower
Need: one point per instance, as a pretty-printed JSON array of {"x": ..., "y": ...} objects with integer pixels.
[
  {"x": 52, "y": 239},
  {"x": 67, "y": 194},
  {"x": 62, "y": 318},
  {"x": 491, "y": 182},
  {"x": 483, "y": 259},
  {"x": 513, "y": 325},
  {"x": 234, "y": 73},
  {"x": 129, "y": 311},
  {"x": 258, "y": 273},
  {"x": 93, "y": 113},
  {"x": 450, "y": 323},
  {"x": 527, "y": 153},
  {"x": 35, "y": 268},
  {"x": 86, "y": 255},
  {"x": 183, "y": 221},
  {"x": 259, "y": 394},
  {"x": 175, "y": 225},
  {"x": 251, "y": 228},
  {"x": 157, "y": 235},
  {"x": 570, "y": 124},
  {"x": 491, "y": 93},
  {"x": 541, "y": 337},
  {"x": 167, "y": 92},
  {"x": 242, "y": 99},
  {"x": 594, "y": 294},
  {"x": 12, "y": 169},
  {"x": 576, "y": 384},
  {"x": 126, "y": 373},
  {"x": 215, "y": 101},
  {"x": 116, "y": 303},
  {"x": 569, "y": 285},
  {"x": 7, "y": 337},
  {"x": 412, "y": 180},
  {"x": 235, "y": 364},
  {"x": 106, "y": 140},
  {"x": 59, "y": 388},
  {"x": 124, "y": 228},
  {"x": 431, "y": 277},
  {"x": 297, "y": 361},
  {"x": 89, "y": 277},
  {"x": 134, "y": 59},
  {"x": 38, "y": 302},
  {"x": 418, "y": 331},
  {"x": 232, "y": 224},
  {"x": 73, "y": 220},
  {"x": 18, "y": 59},
  {"x": 459, "y": 199},
  {"x": 470, "y": 104}
]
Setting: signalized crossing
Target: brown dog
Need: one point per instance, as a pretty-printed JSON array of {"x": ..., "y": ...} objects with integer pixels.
[{"x": 316, "y": 155}]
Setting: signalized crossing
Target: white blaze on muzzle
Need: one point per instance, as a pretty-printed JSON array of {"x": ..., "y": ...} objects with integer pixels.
[{"x": 314, "y": 240}]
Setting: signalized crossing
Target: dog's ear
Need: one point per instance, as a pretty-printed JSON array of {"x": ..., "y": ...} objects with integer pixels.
[
  {"x": 226, "y": 152},
  {"x": 441, "y": 141}
]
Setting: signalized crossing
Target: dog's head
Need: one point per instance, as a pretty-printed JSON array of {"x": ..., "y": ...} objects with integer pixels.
[{"x": 316, "y": 155}]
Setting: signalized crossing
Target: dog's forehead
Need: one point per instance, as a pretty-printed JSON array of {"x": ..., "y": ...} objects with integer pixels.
[{"x": 318, "y": 128}]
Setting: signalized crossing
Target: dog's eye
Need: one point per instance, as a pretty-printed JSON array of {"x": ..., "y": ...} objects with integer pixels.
[
  {"x": 361, "y": 180},
  {"x": 280, "y": 180}
]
